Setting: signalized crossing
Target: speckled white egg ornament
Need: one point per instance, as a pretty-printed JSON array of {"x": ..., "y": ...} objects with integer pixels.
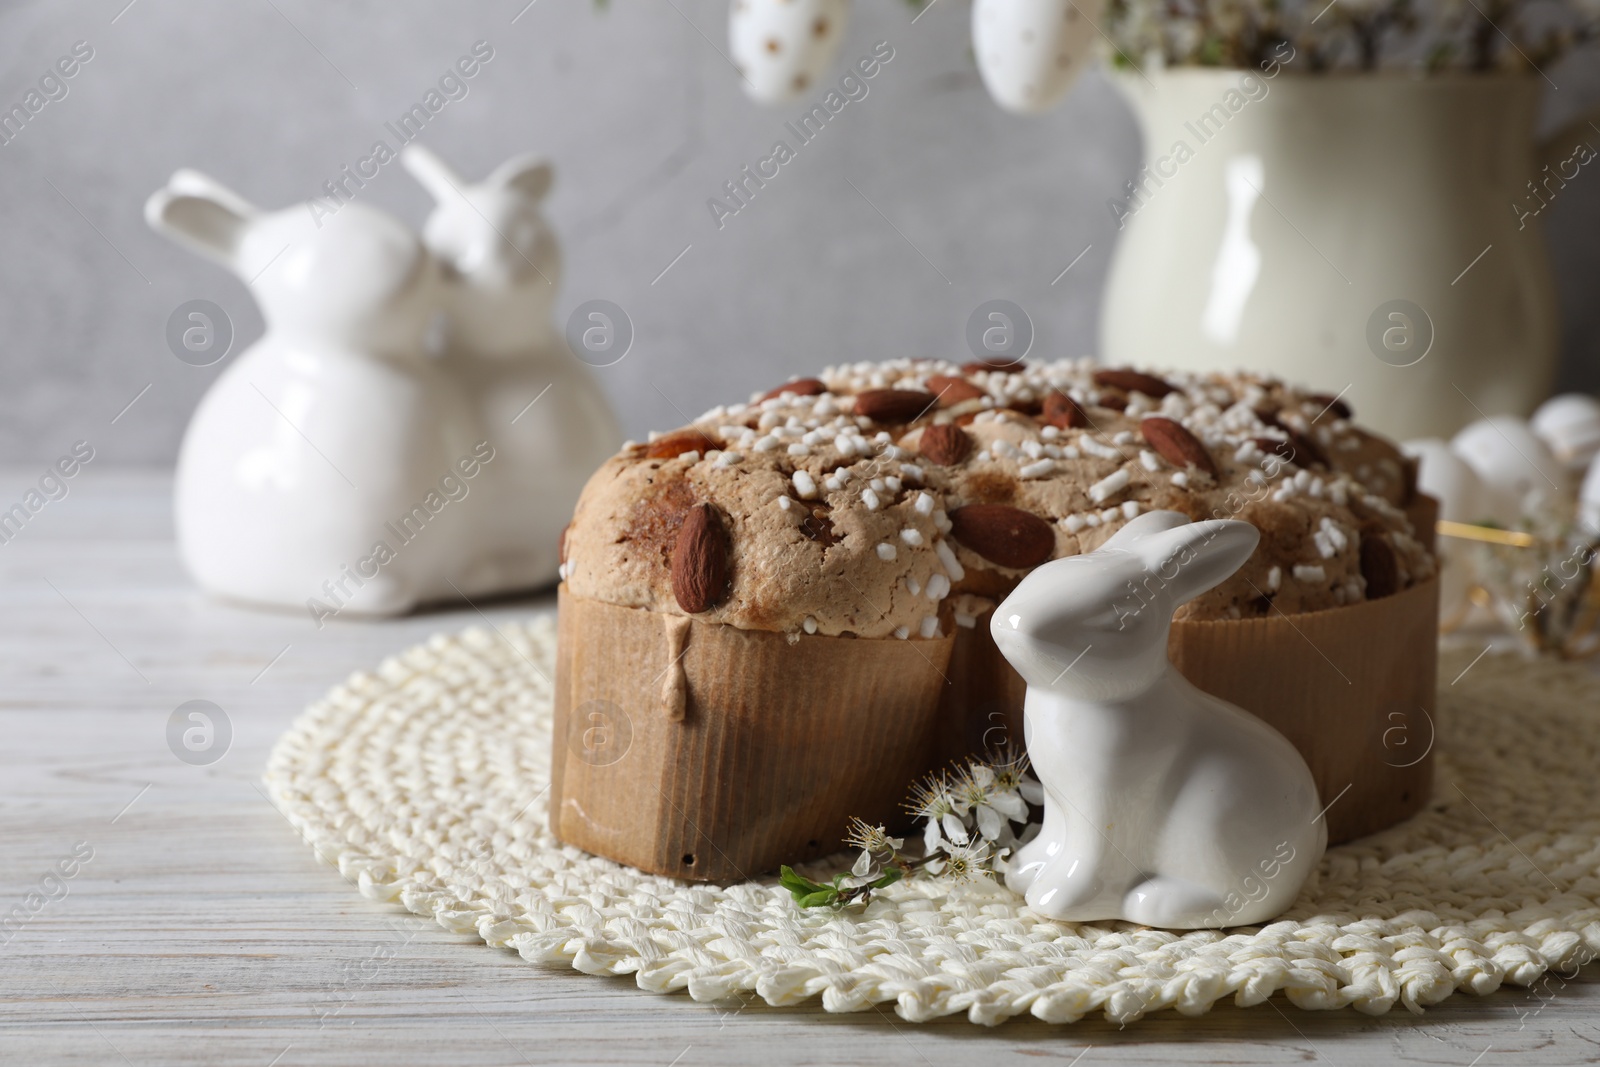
[
  {"x": 1031, "y": 51},
  {"x": 784, "y": 47},
  {"x": 1570, "y": 425}
]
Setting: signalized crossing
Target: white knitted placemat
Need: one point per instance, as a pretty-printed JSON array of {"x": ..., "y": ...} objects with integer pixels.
[{"x": 425, "y": 780}]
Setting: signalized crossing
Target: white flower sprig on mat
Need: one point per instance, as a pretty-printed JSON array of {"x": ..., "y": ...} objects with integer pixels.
[{"x": 968, "y": 833}]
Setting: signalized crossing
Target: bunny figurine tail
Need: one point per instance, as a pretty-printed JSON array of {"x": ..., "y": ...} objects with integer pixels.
[{"x": 1163, "y": 805}]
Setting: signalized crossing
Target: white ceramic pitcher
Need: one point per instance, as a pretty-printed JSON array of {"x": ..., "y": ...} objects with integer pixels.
[{"x": 1303, "y": 205}]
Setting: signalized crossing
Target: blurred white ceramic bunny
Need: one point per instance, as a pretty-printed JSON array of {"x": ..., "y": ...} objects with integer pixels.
[
  {"x": 501, "y": 265},
  {"x": 328, "y": 435},
  {"x": 1163, "y": 805}
]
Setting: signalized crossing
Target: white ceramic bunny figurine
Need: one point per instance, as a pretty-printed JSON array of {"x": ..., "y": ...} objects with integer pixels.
[
  {"x": 1163, "y": 805},
  {"x": 502, "y": 265},
  {"x": 334, "y": 433}
]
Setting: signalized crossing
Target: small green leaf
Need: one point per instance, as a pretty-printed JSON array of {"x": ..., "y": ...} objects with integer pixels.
[
  {"x": 820, "y": 899},
  {"x": 792, "y": 879},
  {"x": 798, "y": 885}
]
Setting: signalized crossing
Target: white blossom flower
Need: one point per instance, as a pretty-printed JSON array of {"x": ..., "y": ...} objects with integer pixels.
[
  {"x": 867, "y": 869},
  {"x": 961, "y": 863},
  {"x": 876, "y": 846},
  {"x": 993, "y": 807},
  {"x": 1011, "y": 773},
  {"x": 869, "y": 838},
  {"x": 1349, "y": 35},
  {"x": 934, "y": 801}
]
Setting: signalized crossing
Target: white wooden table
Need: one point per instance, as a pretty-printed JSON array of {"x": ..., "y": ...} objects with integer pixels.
[{"x": 202, "y": 931}]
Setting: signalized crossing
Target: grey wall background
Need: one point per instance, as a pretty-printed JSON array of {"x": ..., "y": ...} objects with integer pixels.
[{"x": 644, "y": 121}]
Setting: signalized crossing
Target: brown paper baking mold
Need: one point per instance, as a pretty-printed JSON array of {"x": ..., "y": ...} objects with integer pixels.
[{"x": 706, "y": 752}]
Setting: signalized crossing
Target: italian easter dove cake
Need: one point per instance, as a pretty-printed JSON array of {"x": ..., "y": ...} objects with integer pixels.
[{"x": 776, "y": 617}]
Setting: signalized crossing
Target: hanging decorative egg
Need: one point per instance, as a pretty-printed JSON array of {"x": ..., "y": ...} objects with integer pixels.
[
  {"x": 1031, "y": 51},
  {"x": 784, "y": 47}
]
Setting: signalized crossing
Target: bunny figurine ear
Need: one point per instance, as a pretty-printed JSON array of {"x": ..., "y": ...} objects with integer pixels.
[
  {"x": 1197, "y": 556},
  {"x": 527, "y": 175},
  {"x": 1142, "y": 526},
  {"x": 432, "y": 173},
  {"x": 199, "y": 212},
  {"x": 194, "y": 183}
]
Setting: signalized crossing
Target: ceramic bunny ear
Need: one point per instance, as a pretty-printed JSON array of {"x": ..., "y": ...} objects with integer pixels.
[
  {"x": 195, "y": 183},
  {"x": 1196, "y": 556},
  {"x": 431, "y": 172},
  {"x": 1142, "y": 526},
  {"x": 526, "y": 174},
  {"x": 201, "y": 213}
]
